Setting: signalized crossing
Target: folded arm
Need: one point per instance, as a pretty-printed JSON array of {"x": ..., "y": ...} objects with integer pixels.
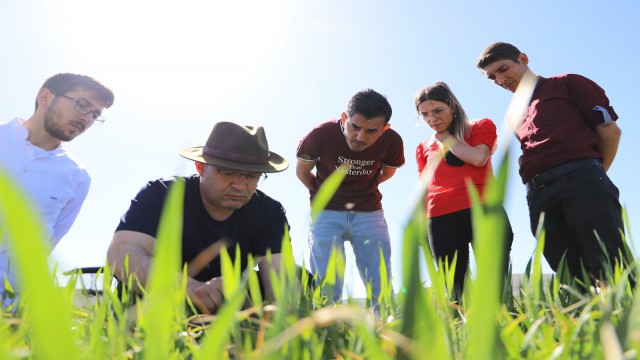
[{"x": 473, "y": 155}]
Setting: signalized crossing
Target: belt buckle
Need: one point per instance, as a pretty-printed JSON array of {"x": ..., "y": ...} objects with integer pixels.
[{"x": 535, "y": 183}]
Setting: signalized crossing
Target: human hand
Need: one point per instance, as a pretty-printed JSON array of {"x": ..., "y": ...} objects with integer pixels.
[
  {"x": 208, "y": 296},
  {"x": 442, "y": 136}
]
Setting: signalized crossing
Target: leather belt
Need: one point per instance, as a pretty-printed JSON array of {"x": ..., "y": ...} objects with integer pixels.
[{"x": 559, "y": 171}]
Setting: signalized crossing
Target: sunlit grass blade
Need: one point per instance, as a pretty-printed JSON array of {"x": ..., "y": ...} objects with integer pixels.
[
  {"x": 160, "y": 310},
  {"x": 49, "y": 324},
  {"x": 489, "y": 233},
  {"x": 229, "y": 274},
  {"x": 420, "y": 319},
  {"x": 327, "y": 189}
]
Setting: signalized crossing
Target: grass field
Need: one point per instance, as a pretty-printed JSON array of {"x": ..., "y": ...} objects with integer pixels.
[{"x": 541, "y": 319}]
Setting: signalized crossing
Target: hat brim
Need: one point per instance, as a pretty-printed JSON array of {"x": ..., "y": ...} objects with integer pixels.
[{"x": 276, "y": 162}]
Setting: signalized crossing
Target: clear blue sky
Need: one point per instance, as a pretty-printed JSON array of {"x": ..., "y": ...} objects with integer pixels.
[{"x": 176, "y": 67}]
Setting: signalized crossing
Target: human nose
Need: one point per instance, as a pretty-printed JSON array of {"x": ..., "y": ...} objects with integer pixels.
[
  {"x": 88, "y": 118},
  {"x": 238, "y": 180}
]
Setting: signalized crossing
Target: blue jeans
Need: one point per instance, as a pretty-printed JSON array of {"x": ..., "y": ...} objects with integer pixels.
[
  {"x": 576, "y": 205},
  {"x": 368, "y": 233}
]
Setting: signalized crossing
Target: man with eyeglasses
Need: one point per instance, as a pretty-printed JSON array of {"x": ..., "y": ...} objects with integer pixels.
[
  {"x": 223, "y": 208},
  {"x": 32, "y": 152},
  {"x": 363, "y": 141}
]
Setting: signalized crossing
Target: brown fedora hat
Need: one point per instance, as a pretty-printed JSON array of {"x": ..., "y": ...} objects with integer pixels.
[{"x": 237, "y": 147}]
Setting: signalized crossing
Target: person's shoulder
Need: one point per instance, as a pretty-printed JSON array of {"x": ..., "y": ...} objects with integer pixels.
[
  {"x": 166, "y": 182},
  {"x": 568, "y": 78},
  {"x": 392, "y": 134},
  {"x": 327, "y": 125},
  {"x": 66, "y": 161},
  {"x": 322, "y": 129},
  {"x": 13, "y": 122},
  {"x": 482, "y": 123}
]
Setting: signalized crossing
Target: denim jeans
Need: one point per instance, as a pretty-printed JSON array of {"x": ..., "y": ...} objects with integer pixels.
[
  {"x": 368, "y": 233},
  {"x": 576, "y": 205}
]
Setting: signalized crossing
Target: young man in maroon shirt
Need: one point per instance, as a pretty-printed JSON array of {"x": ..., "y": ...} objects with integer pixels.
[{"x": 569, "y": 139}]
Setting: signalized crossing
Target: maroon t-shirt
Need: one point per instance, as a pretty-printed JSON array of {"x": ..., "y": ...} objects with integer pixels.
[
  {"x": 326, "y": 145},
  {"x": 559, "y": 124}
]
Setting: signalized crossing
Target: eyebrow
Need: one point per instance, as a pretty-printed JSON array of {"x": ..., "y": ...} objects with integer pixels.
[{"x": 501, "y": 69}]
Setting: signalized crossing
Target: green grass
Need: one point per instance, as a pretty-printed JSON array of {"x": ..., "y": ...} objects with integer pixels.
[{"x": 540, "y": 320}]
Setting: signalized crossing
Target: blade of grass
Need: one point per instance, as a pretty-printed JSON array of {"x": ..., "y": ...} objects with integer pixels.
[
  {"x": 327, "y": 189},
  {"x": 160, "y": 310},
  {"x": 49, "y": 324},
  {"x": 488, "y": 243}
]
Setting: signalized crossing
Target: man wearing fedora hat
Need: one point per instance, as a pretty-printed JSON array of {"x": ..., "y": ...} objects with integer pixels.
[
  {"x": 222, "y": 208},
  {"x": 362, "y": 140}
]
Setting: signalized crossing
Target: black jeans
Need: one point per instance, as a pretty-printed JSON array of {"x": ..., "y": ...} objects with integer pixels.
[
  {"x": 453, "y": 233},
  {"x": 575, "y": 205}
]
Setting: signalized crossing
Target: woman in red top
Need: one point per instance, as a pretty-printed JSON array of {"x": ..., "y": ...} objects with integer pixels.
[{"x": 466, "y": 148}]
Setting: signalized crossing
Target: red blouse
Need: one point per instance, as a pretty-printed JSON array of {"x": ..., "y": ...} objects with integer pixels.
[{"x": 447, "y": 190}]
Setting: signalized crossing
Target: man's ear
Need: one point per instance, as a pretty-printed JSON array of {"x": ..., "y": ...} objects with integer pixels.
[
  {"x": 523, "y": 59},
  {"x": 386, "y": 127},
  {"x": 44, "y": 97},
  {"x": 343, "y": 118},
  {"x": 200, "y": 168}
]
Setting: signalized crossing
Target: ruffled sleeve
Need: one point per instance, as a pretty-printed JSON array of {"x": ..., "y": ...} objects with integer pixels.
[{"x": 483, "y": 132}]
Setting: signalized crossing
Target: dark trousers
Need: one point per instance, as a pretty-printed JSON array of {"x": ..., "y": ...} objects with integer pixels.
[
  {"x": 452, "y": 233},
  {"x": 575, "y": 205}
]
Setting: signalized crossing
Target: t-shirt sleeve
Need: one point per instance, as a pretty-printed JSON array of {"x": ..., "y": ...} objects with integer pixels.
[
  {"x": 146, "y": 207},
  {"x": 395, "y": 153},
  {"x": 70, "y": 211},
  {"x": 586, "y": 95},
  {"x": 272, "y": 232},
  {"x": 309, "y": 148},
  {"x": 483, "y": 132}
]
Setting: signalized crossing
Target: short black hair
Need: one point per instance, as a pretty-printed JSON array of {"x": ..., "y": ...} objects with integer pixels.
[
  {"x": 497, "y": 51},
  {"x": 369, "y": 104},
  {"x": 59, "y": 84}
]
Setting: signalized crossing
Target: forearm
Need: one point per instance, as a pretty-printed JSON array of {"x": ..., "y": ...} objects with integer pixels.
[
  {"x": 305, "y": 174},
  {"x": 610, "y": 136},
  {"x": 307, "y": 180},
  {"x": 386, "y": 173},
  {"x": 128, "y": 257},
  {"x": 473, "y": 155}
]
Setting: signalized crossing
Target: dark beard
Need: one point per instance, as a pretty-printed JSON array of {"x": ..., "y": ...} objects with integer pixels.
[{"x": 51, "y": 126}]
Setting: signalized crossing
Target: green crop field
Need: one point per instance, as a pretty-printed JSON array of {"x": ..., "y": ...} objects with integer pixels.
[{"x": 541, "y": 319}]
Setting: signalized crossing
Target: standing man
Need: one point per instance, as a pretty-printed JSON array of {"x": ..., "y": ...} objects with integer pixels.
[
  {"x": 31, "y": 152},
  {"x": 569, "y": 139},
  {"x": 222, "y": 208},
  {"x": 362, "y": 139}
]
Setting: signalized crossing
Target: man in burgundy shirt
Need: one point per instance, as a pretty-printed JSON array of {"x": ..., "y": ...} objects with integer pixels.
[
  {"x": 362, "y": 139},
  {"x": 569, "y": 139}
]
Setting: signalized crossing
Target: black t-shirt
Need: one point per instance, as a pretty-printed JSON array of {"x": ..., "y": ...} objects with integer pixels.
[{"x": 254, "y": 228}]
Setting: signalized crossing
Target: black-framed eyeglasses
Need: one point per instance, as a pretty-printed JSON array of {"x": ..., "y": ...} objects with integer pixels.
[
  {"x": 84, "y": 107},
  {"x": 451, "y": 159},
  {"x": 252, "y": 179}
]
